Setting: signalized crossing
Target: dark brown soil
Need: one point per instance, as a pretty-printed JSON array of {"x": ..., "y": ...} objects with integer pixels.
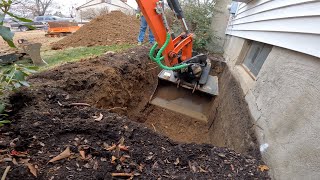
[
  {"x": 108, "y": 29},
  {"x": 45, "y": 122}
]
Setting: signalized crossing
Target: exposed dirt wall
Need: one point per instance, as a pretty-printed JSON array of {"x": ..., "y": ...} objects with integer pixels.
[{"x": 231, "y": 123}]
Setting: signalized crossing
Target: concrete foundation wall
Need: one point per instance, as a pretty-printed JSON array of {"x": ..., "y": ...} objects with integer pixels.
[{"x": 284, "y": 101}]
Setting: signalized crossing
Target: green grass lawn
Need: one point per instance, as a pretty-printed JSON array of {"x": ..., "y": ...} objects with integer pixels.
[{"x": 58, "y": 57}]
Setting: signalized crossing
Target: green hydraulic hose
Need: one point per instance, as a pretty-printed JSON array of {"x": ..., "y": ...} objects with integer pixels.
[{"x": 158, "y": 59}]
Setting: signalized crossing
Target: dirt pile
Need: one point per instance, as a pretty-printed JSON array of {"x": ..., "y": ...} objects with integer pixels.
[
  {"x": 113, "y": 81},
  {"x": 108, "y": 29},
  {"x": 47, "y": 119}
]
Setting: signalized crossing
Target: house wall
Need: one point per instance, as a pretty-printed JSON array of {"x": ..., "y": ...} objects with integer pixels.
[
  {"x": 284, "y": 101},
  {"x": 279, "y": 23}
]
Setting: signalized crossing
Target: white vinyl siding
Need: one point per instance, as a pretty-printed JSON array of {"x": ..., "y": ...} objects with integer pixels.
[{"x": 292, "y": 24}]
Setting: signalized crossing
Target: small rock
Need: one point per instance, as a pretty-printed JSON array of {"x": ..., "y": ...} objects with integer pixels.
[
  {"x": 118, "y": 168},
  {"x": 222, "y": 155},
  {"x": 155, "y": 165},
  {"x": 109, "y": 52},
  {"x": 167, "y": 161},
  {"x": 87, "y": 166},
  {"x": 177, "y": 162},
  {"x": 149, "y": 158},
  {"x": 7, "y": 159},
  {"x": 36, "y": 124}
]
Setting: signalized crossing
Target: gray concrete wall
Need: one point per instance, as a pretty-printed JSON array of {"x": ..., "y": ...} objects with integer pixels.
[
  {"x": 284, "y": 101},
  {"x": 219, "y": 25},
  {"x": 287, "y": 94}
]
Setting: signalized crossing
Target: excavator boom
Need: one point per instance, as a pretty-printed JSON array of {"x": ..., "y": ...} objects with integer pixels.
[{"x": 184, "y": 85}]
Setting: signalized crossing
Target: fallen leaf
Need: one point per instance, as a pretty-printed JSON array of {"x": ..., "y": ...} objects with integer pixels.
[
  {"x": 32, "y": 169},
  {"x": 167, "y": 161},
  {"x": 202, "y": 170},
  {"x": 83, "y": 154},
  {"x": 18, "y": 154},
  {"x": 121, "y": 142},
  {"x": 14, "y": 161},
  {"x": 123, "y": 158},
  {"x": 113, "y": 147},
  {"x": 124, "y": 148},
  {"x": 98, "y": 118},
  {"x": 232, "y": 167},
  {"x": 141, "y": 167},
  {"x": 65, "y": 154},
  {"x": 113, "y": 159},
  {"x": 177, "y": 162},
  {"x": 264, "y": 168}
]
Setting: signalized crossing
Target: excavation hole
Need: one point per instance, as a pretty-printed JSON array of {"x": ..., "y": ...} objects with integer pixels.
[{"x": 123, "y": 84}]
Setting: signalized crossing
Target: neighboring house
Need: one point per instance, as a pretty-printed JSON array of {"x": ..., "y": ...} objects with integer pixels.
[
  {"x": 95, "y": 7},
  {"x": 273, "y": 49}
]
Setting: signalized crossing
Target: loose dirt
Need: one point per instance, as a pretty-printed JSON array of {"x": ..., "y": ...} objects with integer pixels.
[
  {"x": 46, "y": 121},
  {"x": 108, "y": 29}
]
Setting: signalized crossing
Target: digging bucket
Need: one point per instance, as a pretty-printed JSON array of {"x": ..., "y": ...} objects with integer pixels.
[{"x": 182, "y": 99}]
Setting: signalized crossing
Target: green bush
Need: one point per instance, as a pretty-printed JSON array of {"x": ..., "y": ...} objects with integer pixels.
[
  {"x": 199, "y": 17},
  {"x": 11, "y": 79}
]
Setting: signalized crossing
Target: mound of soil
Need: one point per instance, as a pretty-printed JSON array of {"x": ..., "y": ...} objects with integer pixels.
[
  {"x": 113, "y": 28},
  {"x": 52, "y": 117},
  {"x": 113, "y": 81}
]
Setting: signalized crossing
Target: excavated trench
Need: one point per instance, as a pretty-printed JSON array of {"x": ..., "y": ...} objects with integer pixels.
[
  {"x": 52, "y": 115},
  {"x": 123, "y": 84}
]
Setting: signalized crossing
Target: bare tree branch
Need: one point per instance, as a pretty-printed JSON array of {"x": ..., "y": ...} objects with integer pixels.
[{"x": 35, "y": 7}]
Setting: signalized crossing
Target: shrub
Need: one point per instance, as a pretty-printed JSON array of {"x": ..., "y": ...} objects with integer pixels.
[{"x": 199, "y": 17}]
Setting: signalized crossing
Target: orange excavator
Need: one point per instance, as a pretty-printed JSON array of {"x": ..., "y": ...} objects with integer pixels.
[{"x": 184, "y": 84}]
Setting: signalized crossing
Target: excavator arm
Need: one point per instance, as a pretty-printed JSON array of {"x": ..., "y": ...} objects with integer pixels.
[
  {"x": 178, "y": 49},
  {"x": 181, "y": 66}
]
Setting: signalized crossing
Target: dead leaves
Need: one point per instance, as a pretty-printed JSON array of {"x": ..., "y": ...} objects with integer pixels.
[
  {"x": 6, "y": 171},
  {"x": 82, "y": 154},
  {"x": 32, "y": 169},
  {"x": 263, "y": 168},
  {"x": 65, "y": 154}
]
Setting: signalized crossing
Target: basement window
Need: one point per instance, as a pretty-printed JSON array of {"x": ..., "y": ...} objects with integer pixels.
[{"x": 256, "y": 56}]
